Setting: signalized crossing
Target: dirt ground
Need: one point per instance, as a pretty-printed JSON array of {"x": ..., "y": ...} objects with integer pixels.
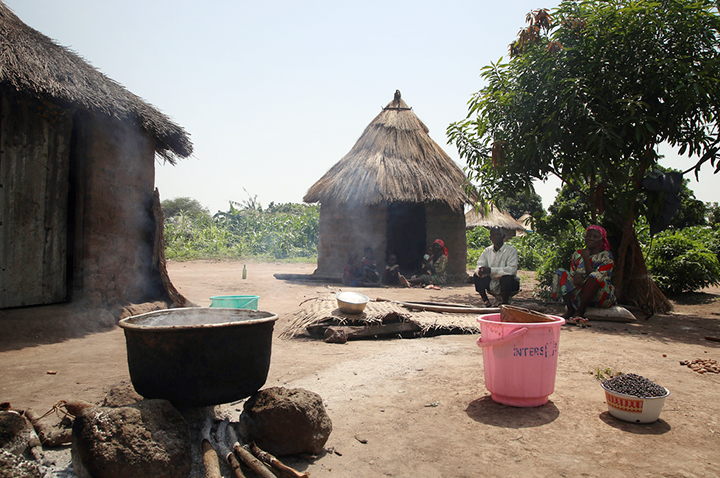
[{"x": 419, "y": 407}]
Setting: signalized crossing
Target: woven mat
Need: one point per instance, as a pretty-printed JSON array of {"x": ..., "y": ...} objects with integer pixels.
[{"x": 325, "y": 310}]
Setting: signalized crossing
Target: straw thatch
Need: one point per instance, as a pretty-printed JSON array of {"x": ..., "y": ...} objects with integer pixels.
[
  {"x": 323, "y": 310},
  {"x": 395, "y": 160},
  {"x": 526, "y": 220},
  {"x": 33, "y": 64},
  {"x": 495, "y": 217}
]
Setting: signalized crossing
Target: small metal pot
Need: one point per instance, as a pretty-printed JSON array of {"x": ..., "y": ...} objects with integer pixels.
[
  {"x": 197, "y": 356},
  {"x": 351, "y": 302}
]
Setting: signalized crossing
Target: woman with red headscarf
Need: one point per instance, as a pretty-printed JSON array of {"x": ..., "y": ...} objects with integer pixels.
[
  {"x": 588, "y": 282},
  {"x": 436, "y": 266}
]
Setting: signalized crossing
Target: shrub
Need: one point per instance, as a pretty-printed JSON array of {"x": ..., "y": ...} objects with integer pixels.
[
  {"x": 559, "y": 252},
  {"x": 532, "y": 248},
  {"x": 478, "y": 238},
  {"x": 679, "y": 262}
]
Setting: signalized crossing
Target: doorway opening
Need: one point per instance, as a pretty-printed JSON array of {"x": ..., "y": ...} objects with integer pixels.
[{"x": 406, "y": 235}]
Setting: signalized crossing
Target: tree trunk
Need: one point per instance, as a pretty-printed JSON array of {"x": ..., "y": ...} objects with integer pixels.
[{"x": 633, "y": 283}]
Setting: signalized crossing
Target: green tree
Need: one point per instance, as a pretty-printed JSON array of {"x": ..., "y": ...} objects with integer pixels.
[
  {"x": 517, "y": 203},
  {"x": 185, "y": 205},
  {"x": 589, "y": 93},
  {"x": 713, "y": 214}
]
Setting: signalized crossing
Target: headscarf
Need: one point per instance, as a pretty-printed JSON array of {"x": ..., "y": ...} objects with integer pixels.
[
  {"x": 442, "y": 244},
  {"x": 603, "y": 233}
]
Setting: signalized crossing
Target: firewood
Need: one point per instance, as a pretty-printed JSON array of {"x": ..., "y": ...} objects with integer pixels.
[
  {"x": 209, "y": 455},
  {"x": 221, "y": 441},
  {"x": 210, "y": 460},
  {"x": 74, "y": 407},
  {"x": 276, "y": 464},
  {"x": 255, "y": 465},
  {"x": 49, "y": 435}
]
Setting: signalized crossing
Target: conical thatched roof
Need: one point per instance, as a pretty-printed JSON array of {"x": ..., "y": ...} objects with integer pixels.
[
  {"x": 395, "y": 160},
  {"x": 35, "y": 65},
  {"x": 494, "y": 217}
]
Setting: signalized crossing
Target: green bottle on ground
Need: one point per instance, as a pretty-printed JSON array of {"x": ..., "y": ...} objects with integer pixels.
[{"x": 244, "y": 272}]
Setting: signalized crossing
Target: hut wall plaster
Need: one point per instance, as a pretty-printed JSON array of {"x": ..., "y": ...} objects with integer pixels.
[
  {"x": 34, "y": 162},
  {"x": 449, "y": 225},
  {"x": 346, "y": 228},
  {"x": 114, "y": 227}
]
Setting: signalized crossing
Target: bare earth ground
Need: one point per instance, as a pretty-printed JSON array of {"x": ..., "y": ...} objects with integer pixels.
[{"x": 421, "y": 404}]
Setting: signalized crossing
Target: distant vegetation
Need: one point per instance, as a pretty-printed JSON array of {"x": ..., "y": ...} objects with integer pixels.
[
  {"x": 681, "y": 259},
  {"x": 278, "y": 232}
]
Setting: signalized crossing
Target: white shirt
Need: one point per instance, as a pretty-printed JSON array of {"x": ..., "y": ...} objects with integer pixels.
[{"x": 503, "y": 262}]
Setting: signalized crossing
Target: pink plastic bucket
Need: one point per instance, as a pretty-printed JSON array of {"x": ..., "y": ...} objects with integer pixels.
[{"x": 520, "y": 359}]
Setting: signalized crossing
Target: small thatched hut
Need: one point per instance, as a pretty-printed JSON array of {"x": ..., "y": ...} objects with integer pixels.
[
  {"x": 495, "y": 217},
  {"x": 395, "y": 191},
  {"x": 77, "y": 154}
]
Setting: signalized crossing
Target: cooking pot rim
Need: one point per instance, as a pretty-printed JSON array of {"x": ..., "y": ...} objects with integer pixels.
[{"x": 128, "y": 322}]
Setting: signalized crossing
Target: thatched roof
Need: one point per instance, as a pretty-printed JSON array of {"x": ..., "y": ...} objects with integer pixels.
[
  {"x": 395, "y": 160},
  {"x": 494, "y": 217},
  {"x": 35, "y": 65},
  {"x": 526, "y": 220}
]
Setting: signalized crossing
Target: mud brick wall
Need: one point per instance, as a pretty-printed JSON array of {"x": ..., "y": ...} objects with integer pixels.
[
  {"x": 346, "y": 228},
  {"x": 113, "y": 179}
]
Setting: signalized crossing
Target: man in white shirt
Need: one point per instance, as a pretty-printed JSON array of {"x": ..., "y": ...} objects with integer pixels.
[{"x": 497, "y": 269}]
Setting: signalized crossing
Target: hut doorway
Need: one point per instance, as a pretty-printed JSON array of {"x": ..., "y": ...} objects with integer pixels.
[{"x": 406, "y": 234}]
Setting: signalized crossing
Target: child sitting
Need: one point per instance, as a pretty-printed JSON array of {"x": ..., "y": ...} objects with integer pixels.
[
  {"x": 352, "y": 275},
  {"x": 370, "y": 266}
]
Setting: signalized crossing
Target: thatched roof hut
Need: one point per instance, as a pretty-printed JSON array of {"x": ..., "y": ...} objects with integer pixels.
[
  {"x": 77, "y": 169},
  {"x": 395, "y": 191},
  {"x": 494, "y": 217}
]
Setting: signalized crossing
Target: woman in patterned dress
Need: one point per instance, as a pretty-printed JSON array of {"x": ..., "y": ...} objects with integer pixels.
[
  {"x": 588, "y": 282},
  {"x": 435, "y": 274}
]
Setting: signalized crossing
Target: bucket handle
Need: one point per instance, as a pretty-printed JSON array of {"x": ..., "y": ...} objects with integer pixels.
[{"x": 500, "y": 340}]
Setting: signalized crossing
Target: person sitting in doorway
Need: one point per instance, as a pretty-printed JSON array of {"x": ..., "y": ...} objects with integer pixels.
[
  {"x": 497, "y": 269},
  {"x": 352, "y": 274},
  {"x": 369, "y": 272},
  {"x": 588, "y": 282},
  {"x": 434, "y": 272},
  {"x": 392, "y": 271}
]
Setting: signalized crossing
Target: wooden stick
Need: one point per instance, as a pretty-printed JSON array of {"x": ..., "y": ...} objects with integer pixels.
[
  {"x": 210, "y": 460},
  {"x": 712, "y": 339},
  {"x": 255, "y": 465},
  {"x": 350, "y": 332},
  {"x": 209, "y": 455},
  {"x": 458, "y": 309},
  {"x": 221, "y": 440},
  {"x": 268, "y": 459},
  {"x": 49, "y": 436}
]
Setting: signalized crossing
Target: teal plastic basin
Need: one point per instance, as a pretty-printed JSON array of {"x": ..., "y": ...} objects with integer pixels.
[{"x": 235, "y": 301}]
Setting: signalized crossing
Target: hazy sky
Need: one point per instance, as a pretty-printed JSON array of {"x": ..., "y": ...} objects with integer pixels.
[{"x": 274, "y": 93}]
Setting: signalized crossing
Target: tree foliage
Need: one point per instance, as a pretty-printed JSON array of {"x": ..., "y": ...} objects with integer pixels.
[
  {"x": 517, "y": 203},
  {"x": 591, "y": 89},
  {"x": 184, "y": 205}
]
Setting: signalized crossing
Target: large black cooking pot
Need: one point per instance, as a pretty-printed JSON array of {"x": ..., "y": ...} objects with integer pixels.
[{"x": 198, "y": 356}]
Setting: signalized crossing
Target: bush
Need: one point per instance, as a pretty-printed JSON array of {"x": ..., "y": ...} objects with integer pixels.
[
  {"x": 478, "y": 238},
  {"x": 283, "y": 231},
  {"x": 532, "y": 248},
  {"x": 559, "y": 252},
  {"x": 680, "y": 261}
]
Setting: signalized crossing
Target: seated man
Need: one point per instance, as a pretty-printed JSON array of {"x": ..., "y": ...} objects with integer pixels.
[{"x": 497, "y": 269}]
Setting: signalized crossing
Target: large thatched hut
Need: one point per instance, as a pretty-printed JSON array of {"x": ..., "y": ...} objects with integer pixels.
[
  {"x": 77, "y": 154},
  {"x": 395, "y": 191}
]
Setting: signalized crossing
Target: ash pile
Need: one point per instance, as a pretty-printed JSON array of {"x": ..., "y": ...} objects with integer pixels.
[{"x": 276, "y": 432}]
